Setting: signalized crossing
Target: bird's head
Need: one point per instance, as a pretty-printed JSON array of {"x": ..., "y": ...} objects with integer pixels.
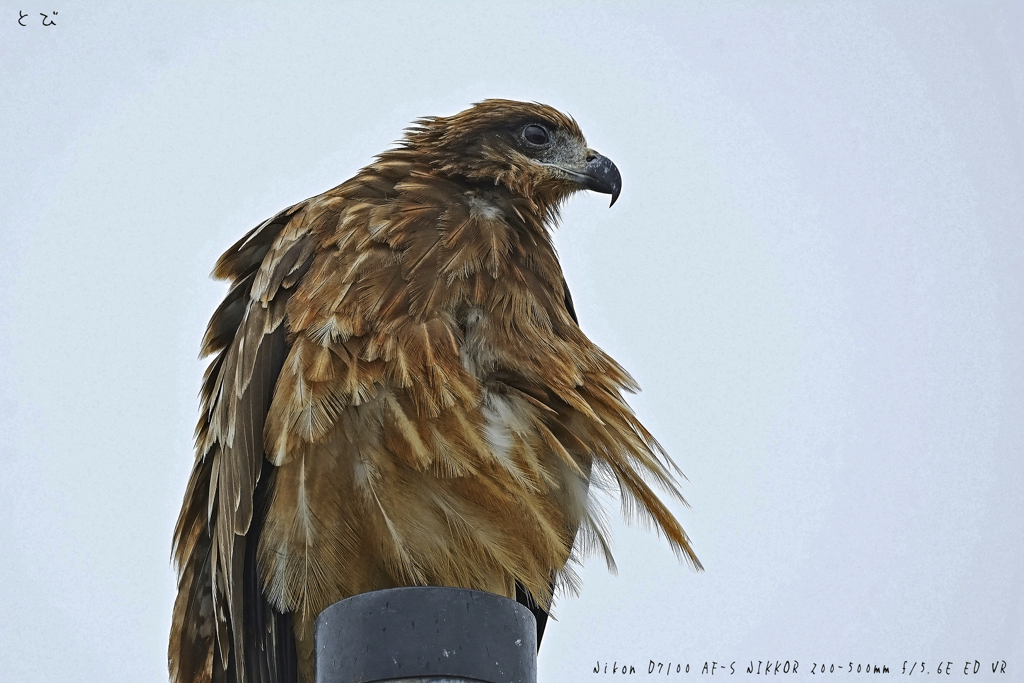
[{"x": 533, "y": 149}]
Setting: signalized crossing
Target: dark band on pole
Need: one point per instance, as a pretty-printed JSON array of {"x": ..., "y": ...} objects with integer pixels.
[{"x": 426, "y": 633}]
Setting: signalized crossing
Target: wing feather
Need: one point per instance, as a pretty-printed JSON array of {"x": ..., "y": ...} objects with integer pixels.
[{"x": 220, "y": 610}]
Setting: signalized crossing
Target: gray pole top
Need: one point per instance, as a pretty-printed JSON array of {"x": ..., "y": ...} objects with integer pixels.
[{"x": 406, "y": 635}]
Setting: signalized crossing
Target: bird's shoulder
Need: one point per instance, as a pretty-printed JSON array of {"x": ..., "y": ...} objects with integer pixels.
[{"x": 425, "y": 284}]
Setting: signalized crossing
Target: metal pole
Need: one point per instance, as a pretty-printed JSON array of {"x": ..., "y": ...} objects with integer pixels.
[{"x": 426, "y": 635}]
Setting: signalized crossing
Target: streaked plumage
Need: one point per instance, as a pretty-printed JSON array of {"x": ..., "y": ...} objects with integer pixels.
[{"x": 401, "y": 395}]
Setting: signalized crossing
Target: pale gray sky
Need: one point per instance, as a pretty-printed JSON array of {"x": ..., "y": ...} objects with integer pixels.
[{"x": 815, "y": 271}]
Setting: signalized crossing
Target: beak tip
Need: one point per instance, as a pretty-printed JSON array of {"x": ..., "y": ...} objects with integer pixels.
[{"x": 599, "y": 175}]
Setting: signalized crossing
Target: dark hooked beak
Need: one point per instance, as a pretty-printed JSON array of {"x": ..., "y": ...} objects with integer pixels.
[{"x": 599, "y": 175}]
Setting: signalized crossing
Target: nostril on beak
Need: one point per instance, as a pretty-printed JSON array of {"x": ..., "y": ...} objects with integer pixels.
[{"x": 590, "y": 156}]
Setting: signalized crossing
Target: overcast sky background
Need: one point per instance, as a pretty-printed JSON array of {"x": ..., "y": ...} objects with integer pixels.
[{"x": 814, "y": 271}]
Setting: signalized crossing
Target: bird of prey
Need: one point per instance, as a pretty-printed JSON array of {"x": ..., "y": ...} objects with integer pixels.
[{"x": 401, "y": 395}]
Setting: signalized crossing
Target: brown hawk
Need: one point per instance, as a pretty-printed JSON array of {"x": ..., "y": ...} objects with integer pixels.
[{"x": 401, "y": 395}]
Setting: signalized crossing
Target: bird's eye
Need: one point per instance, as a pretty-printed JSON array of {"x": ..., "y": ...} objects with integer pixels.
[{"x": 535, "y": 135}]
